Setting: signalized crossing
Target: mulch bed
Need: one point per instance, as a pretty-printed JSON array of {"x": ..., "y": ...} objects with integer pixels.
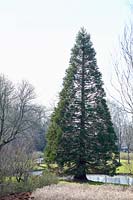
[{"x": 18, "y": 196}]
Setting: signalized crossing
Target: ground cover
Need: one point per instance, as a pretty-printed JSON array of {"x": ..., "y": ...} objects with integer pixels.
[
  {"x": 125, "y": 168},
  {"x": 75, "y": 191}
]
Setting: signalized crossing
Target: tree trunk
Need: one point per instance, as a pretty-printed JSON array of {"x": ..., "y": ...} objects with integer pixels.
[
  {"x": 128, "y": 156},
  {"x": 119, "y": 147},
  {"x": 80, "y": 174},
  {"x": 80, "y": 178}
]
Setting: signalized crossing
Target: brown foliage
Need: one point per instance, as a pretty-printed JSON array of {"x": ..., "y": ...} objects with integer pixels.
[{"x": 20, "y": 196}]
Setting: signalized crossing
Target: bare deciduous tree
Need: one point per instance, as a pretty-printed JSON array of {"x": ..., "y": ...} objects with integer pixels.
[
  {"x": 124, "y": 71},
  {"x": 118, "y": 118},
  {"x": 15, "y": 108},
  {"x": 124, "y": 87},
  {"x": 128, "y": 137}
]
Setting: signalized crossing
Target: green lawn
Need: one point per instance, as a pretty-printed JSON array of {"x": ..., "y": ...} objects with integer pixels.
[
  {"x": 125, "y": 168},
  {"x": 40, "y": 167},
  {"x": 44, "y": 166}
]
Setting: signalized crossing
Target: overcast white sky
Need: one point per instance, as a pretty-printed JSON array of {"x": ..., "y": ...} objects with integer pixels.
[{"x": 36, "y": 37}]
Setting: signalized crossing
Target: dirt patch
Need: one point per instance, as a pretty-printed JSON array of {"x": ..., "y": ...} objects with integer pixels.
[{"x": 18, "y": 196}]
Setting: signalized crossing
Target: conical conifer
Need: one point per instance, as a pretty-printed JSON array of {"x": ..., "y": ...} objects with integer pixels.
[{"x": 81, "y": 136}]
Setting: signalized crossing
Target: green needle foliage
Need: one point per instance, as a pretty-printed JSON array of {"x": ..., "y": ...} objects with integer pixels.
[{"x": 81, "y": 136}]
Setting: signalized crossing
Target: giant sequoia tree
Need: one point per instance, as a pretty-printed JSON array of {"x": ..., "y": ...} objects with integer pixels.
[{"x": 81, "y": 137}]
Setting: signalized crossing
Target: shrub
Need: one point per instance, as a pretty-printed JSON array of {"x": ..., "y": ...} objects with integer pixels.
[
  {"x": 31, "y": 184},
  {"x": 47, "y": 178}
]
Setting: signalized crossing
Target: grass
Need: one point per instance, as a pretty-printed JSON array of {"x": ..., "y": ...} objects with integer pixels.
[
  {"x": 125, "y": 168},
  {"x": 40, "y": 167},
  {"x": 75, "y": 191},
  {"x": 89, "y": 182},
  {"x": 124, "y": 156},
  {"x": 44, "y": 166},
  {"x": 33, "y": 182}
]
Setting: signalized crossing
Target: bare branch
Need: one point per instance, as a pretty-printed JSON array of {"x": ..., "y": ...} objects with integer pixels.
[
  {"x": 17, "y": 111},
  {"x": 124, "y": 71}
]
